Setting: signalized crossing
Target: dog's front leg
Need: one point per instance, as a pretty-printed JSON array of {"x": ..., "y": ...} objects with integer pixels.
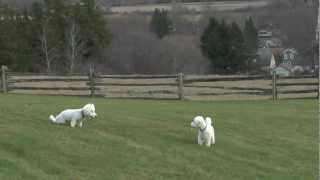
[
  {"x": 213, "y": 139},
  {"x": 73, "y": 123},
  {"x": 80, "y": 124},
  {"x": 208, "y": 142},
  {"x": 200, "y": 142}
]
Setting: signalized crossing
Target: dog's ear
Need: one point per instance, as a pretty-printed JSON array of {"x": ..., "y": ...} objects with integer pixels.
[
  {"x": 86, "y": 106},
  {"x": 198, "y": 118},
  {"x": 208, "y": 120}
]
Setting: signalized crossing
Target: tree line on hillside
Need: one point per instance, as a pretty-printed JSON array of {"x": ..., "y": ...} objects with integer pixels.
[
  {"x": 136, "y": 2},
  {"x": 54, "y": 35},
  {"x": 60, "y": 36},
  {"x": 229, "y": 48}
]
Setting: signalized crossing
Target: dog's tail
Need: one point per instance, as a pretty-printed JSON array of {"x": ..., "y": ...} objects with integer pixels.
[{"x": 52, "y": 119}]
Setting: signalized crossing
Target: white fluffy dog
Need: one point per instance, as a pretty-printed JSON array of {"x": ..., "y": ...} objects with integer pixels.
[
  {"x": 74, "y": 116},
  {"x": 206, "y": 130}
]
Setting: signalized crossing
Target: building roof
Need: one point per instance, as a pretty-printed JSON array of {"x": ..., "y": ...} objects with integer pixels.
[
  {"x": 264, "y": 34},
  {"x": 290, "y": 50}
]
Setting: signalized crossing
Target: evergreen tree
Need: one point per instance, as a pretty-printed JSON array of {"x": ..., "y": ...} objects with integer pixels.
[
  {"x": 26, "y": 51},
  {"x": 237, "y": 54},
  {"x": 250, "y": 34},
  {"x": 160, "y": 24},
  {"x": 209, "y": 38},
  {"x": 155, "y": 21},
  {"x": 94, "y": 32},
  {"x": 224, "y": 45},
  {"x": 7, "y": 36}
]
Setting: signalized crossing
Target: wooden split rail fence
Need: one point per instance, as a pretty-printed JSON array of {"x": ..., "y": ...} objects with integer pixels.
[{"x": 179, "y": 86}]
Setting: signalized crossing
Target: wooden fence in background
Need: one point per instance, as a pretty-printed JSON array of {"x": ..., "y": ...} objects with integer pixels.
[
  {"x": 297, "y": 87},
  {"x": 179, "y": 86}
]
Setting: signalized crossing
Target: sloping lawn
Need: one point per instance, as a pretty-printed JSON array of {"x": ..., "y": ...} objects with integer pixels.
[{"x": 133, "y": 139}]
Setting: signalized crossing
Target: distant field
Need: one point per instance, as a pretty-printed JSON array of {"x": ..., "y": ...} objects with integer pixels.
[
  {"x": 196, "y": 6},
  {"x": 136, "y": 139}
]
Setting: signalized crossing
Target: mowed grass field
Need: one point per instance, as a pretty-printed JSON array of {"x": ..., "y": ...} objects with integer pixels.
[{"x": 136, "y": 139}]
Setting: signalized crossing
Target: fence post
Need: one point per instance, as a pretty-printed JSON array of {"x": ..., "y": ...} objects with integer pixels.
[
  {"x": 180, "y": 86},
  {"x": 273, "y": 76},
  {"x": 4, "y": 79},
  {"x": 274, "y": 86},
  {"x": 91, "y": 80}
]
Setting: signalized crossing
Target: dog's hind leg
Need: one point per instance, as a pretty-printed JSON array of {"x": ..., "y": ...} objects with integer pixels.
[
  {"x": 208, "y": 142},
  {"x": 80, "y": 124},
  {"x": 73, "y": 123},
  {"x": 212, "y": 140}
]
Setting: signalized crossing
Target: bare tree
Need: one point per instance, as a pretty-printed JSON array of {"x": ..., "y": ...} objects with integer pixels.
[
  {"x": 74, "y": 45},
  {"x": 48, "y": 49},
  {"x": 136, "y": 50}
]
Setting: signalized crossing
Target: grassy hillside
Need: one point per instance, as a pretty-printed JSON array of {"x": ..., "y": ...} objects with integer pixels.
[{"x": 153, "y": 140}]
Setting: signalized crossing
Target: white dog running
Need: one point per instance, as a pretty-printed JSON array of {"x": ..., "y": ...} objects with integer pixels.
[
  {"x": 206, "y": 130},
  {"x": 74, "y": 115}
]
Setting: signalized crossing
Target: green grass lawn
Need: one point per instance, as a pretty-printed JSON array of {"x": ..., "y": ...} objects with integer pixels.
[{"x": 133, "y": 139}]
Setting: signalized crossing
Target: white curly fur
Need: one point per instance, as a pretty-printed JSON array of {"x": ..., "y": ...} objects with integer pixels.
[
  {"x": 74, "y": 116},
  {"x": 206, "y": 130}
]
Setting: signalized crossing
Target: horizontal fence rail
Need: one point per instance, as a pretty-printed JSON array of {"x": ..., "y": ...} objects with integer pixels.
[
  {"x": 48, "y": 79},
  {"x": 298, "y": 91},
  {"x": 136, "y": 76},
  {"x": 223, "y": 78},
  {"x": 232, "y": 88},
  {"x": 54, "y": 88},
  {"x": 166, "y": 87},
  {"x": 297, "y": 87},
  {"x": 300, "y": 77},
  {"x": 298, "y": 84},
  {"x": 134, "y": 84}
]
